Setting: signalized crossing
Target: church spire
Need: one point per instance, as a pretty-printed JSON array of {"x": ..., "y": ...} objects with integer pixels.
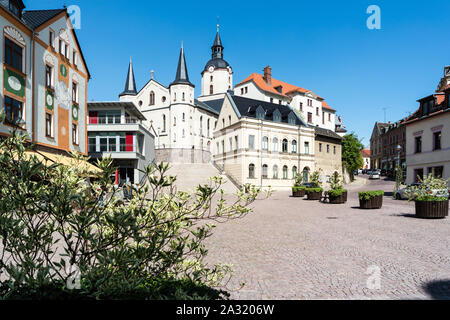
[
  {"x": 217, "y": 47},
  {"x": 130, "y": 84},
  {"x": 182, "y": 76}
]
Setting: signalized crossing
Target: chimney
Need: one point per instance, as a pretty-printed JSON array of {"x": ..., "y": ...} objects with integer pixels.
[
  {"x": 268, "y": 75},
  {"x": 340, "y": 119}
]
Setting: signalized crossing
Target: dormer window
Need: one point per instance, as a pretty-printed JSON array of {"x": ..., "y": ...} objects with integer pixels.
[
  {"x": 260, "y": 113},
  {"x": 14, "y": 8},
  {"x": 279, "y": 89},
  {"x": 277, "y": 116}
]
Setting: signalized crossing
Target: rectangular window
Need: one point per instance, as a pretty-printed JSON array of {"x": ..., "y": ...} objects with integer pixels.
[
  {"x": 251, "y": 142},
  {"x": 13, "y": 55},
  {"x": 64, "y": 48},
  {"x": 437, "y": 140},
  {"x": 75, "y": 58},
  {"x": 329, "y": 117},
  {"x": 328, "y": 148},
  {"x": 306, "y": 147},
  {"x": 323, "y": 117},
  {"x": 418, "y": 144},
  {"x": 51, "y": 39},
  {"x": 320, "y": 147},
  {"x": 334, "y": 149},
  {"x": 49, "y": 125},
  {"x": 236, "y": 144},
  {"x": 75, "y": 92},
  {"x": 75, "y": 134},
  {"x": 418, "y": 175},
  {"x": 301, "y": 106},
  {"x": 48, "y": 76},
  {"x": 309, "y": 117},
  {"x": 317, "y": 111},
  {"x": 231, "y": 144},
  {"x": 92, "y": 143},
  {"x": 436, "y": 171},
  {"x": 13, "y": 111}
]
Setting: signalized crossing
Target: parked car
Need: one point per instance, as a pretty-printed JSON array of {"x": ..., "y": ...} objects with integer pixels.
[
  {"x": 402, "y": 194},
  {"x": 369, "y": 172},
  {"x": 374, "y": 175}
]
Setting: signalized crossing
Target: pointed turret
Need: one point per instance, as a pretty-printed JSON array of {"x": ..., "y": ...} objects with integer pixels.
[
  {"x": 182, "y": 76},
  {"x": 217, "y": 47},
  {"x": 130, "y": 84}
]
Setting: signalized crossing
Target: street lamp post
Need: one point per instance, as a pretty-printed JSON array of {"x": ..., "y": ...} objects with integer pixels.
[{"x": 399, "y": 171}]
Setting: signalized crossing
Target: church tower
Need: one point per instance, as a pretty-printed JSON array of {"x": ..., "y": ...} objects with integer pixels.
[
  {"x": 130, "y": 92},
  {"x": 181, "y": 106},
  {"x": 217, "y": 76}
]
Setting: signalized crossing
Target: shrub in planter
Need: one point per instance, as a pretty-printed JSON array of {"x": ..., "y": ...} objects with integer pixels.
[
  {"x": 314, "y": 193},
  {"x": 298, "y": 191},
  {"x": 371, "y": 199},
  {"x": 337, "y": 194},
  {"x": 431, "y": 198}
]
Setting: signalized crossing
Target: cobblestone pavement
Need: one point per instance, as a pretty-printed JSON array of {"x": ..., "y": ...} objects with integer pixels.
[{"x": 292, "y": 248}]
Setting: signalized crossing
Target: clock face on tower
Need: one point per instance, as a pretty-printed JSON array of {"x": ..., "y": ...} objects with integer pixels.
[{"x": 211, "y": 69}]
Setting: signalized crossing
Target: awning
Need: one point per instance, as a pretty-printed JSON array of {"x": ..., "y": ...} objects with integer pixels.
[
  {"x": 69, "y": 161},
  {"x": 47, "y": 157}
]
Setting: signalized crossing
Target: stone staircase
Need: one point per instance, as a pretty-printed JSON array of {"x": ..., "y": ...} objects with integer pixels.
[{"x": 190, "y": 175}]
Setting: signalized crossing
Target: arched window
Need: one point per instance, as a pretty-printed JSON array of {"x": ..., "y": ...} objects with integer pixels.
[
  {"x": 184, "y": 117},
  {"x": 174, "y": 96},
  {"x": 251, "y": 171},
  {"x": 294, "y": 172},
  {"x": 275, "y": 172},
  {"x": 164, "y": 123},
  {"x": 305, "y": 174},
  {"x": 207, "y": 126},
  {"x": 152, "y": 98},
  {"x": 265, "y": 143},
  {"x": 265, "y": 170},
  {"x": 182, "y": 97},
  {"x": 174, "y": 121},
  {"x": 211, "y": 89},
  {"x": 275, "y": 144},
  {"x": 201, "y": 125},
  {"x": 294, "y": 146},
  {"x": 285, "y": 145},
  {"x": 285, "y": 172},
  {"x": 183, "y": 134}
]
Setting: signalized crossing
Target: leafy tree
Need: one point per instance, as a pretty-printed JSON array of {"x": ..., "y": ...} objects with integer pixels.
[
  {"x": 66, "y": 235},
  {"x": 351, "y": 153},
  {"x": 315, "y": 179}
]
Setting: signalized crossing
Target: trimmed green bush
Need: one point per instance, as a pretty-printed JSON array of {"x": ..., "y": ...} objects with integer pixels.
[
  {"x": 314, "y": 189},
  {"x": 366, "y": 195},
  {"x": 298, "y": 188},
  {"x": 336, "y": 192}
]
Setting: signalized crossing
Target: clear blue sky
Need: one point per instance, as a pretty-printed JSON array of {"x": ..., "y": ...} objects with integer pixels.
[{"x": 323, "y": 46}]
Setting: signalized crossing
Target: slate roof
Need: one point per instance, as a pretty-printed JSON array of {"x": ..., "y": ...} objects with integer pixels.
[
  {"x": 36, "y": 18},
  {"x": 182, "y": 76},
  {"x": 247, "y": 108},
  {"x": 327, "y": 133},
  {"x": 213, "y": 106}
]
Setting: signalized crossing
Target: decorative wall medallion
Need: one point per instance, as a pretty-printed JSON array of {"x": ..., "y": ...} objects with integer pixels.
[
  {"x": 49, "y": 100},
  {"x": 62, "y": 95},
  {"x": 14, "y": 34},
  {"x": 14, "y": 82},
  {"x": 75, "y": 112},
  {"x": 63, "y": 70}
]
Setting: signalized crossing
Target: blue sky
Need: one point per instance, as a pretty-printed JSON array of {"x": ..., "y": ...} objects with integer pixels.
[{"x": 323, "y": 46}]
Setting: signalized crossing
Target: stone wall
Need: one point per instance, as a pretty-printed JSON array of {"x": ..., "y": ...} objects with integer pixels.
[{"x": 182, "y": 155}]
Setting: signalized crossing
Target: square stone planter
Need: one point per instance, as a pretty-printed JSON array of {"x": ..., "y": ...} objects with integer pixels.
[
  {"x": 373, "y": 203},
  {"x": 431, "y": 209}
]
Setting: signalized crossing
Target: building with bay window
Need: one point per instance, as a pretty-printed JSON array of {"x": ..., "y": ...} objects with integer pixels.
[
  {"x": 44, "y": 80},
  {"x": 118, "y": 130}
]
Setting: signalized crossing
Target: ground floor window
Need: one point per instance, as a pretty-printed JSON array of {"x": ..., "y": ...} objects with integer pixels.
[
  {"x": 436, "y": 171},
  {"x": 275, "y": 172},
  {"x": 294, "y": 172},
  {"x": 265, "y": 170},
  {"x": 285, "y": 172},
  {"x": 75, "y": 134},
  {"x": 49, "y": 125},
  {"x": 418, "y": 175},
  {"x": 251, "y": 171},
  {"x": 13, "y": 111}
]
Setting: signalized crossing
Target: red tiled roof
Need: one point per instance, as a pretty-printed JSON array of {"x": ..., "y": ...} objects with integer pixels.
[
  {"x": 365, "y": 153},
  {"x": 286, "y": 88}
]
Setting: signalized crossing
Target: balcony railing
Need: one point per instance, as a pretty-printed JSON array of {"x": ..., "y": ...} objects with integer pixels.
[
  {"x": 114, "y": 148},
  {"x": 113, "y": 120}
]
